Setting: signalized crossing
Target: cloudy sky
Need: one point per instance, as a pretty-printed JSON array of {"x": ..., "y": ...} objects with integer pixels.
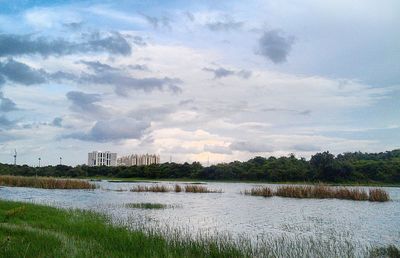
[{"x": 224, "y": 80}]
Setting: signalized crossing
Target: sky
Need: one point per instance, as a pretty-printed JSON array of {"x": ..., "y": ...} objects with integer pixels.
[{"x": 197, "y": 80}]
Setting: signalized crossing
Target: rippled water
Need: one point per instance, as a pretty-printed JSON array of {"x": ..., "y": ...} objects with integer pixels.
[{"x": 231, "y": 212}]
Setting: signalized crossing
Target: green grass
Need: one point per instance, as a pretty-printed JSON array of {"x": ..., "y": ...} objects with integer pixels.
[
  {"x": 146, "y": 205},
  {"x": 29, "y": 230}
]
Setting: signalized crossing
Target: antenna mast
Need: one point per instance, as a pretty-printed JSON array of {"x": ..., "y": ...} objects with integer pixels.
[{"x": 15, "y": 157}]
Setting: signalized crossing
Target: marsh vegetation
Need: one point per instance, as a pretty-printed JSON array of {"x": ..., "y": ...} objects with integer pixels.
[
  {"x": 45, "y": 182},
  {"x": 320, "y": 192},
  {"x": 147, "y": 205},
  {"x": 191, "y": 188}
]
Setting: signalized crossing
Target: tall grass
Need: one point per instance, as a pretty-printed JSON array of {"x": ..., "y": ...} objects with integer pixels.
[
  {"x": 45, "y": 182},
  {"x": 321, "y": 192},
  {"x": 146, "y": 205},
  {"x": 200, "y": 189},
  {"x": 378, "y": 195},
  {"x": 177, "y": 188},
  {"x": 260, "y": 191},
  {"x": 151, "y": 188}
]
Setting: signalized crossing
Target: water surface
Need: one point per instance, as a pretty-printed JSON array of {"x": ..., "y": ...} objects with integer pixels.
[{"x": 230, "y": 212}]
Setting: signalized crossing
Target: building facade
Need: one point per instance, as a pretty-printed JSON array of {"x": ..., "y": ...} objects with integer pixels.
[
  {"x": 138, "y": 160},
  {"x": 102, "y": 158}
]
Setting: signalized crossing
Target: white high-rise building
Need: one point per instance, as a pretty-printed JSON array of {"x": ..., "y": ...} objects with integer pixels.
[
  {"x": 102, "y": 158},
  {"x": 138, "y": 160}
]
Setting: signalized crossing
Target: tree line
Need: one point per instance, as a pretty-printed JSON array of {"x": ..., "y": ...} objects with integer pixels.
[{"x": 322, "y": 167}]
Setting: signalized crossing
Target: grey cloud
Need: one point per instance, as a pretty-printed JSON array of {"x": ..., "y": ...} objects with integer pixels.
[
  {"x": 6, "y": 104},
  {"x": 124, "y": 83},
  {"x": 103, "y": 74},
  {"x": 189, "y": 15},
  {"x": 306, "y": 147},
  {"x": 137, "y": 40},
  {"x": 224, "y": 25},
  {"x": 21, "y": 73},
  {"x": 98, "y": 66},
  {"x": 5, "y": 123},
  {"x": 217, "y": 149},
  {"x": 222, "y": 72},
  {"x": 138, "y": 67},
  {"x": 73, "y": 25},
  {"x": 186, "y": 102},
  {"x": 2, "y": 80},
  {"x": 295, "y": 112},
  {"x": 244, "y": 74},
  {"x": 85, "y": 102},
  {"x": 57, "y": 122},
  {"x": 152, "y": 113},
  {"x": 250, "y": 146},
  {"x": 157, "y": 22},
  {"x": 275, "y": 46},
  {"x": 14, "y": 45},
  {"x": 113, "y": 130},
  {"x": 183, "y": 150}
]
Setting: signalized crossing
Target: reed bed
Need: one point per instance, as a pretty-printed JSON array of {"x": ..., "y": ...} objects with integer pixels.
[
  {"x": 260, "y": 191},
  {"x": 200, "y": 189},
  {"x": 146, "y": 205},
  {"x": 151, "y": 188},
  {"x": 378, "y": 195},
  {"x": 177, "y": 188},
  {"x": 45, "y": 182},
  {"x": 321, "y": 192}
]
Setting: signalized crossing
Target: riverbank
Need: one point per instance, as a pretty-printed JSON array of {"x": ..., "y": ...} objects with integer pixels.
[{"x": 30, "y": 230}]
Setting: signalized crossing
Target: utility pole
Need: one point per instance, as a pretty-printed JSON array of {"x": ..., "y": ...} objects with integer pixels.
[{"x": 39, "y": 161}]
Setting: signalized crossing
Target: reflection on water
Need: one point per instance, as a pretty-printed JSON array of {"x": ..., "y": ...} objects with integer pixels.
[{"x": 360, "y": 221}]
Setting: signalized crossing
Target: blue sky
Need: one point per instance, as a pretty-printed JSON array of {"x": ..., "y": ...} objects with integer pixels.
[{"x": 225, "y": 80}]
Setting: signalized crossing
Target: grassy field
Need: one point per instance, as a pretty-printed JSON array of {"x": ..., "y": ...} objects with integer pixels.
[{"x": 29, "y": 230}]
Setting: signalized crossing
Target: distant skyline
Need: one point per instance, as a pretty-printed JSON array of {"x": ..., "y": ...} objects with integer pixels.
[{"x": 225, "y": 80}]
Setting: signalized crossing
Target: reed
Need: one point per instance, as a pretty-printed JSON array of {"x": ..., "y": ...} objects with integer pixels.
[
  {"x": 151, "y": 188},
  {"x": 264, "y": 191},
  {"x": 45, "y": 182},
  {"x": 321, "y": 192},
  {"x": 200, "y": 189},
  {"x": 146, "y": 205},
  {"x": 378, "y": 195},
  {"x": 178, "y": 188}
]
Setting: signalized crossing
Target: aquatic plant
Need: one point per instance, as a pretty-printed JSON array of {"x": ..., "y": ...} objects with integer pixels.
[
  {"x": 378, "y": 195},
  {"x": 45, "y": 182},
  {"x": 178, "y": 188},
  {"x": 260, "y": 191},
  {"x": 321, "y": 191},
  {"x": 146, "y": 205},
  {"x": 151, "y": 188},
  {"x": 200, "y": 189}
]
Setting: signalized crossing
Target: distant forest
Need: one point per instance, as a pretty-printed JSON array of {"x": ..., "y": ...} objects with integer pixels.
[{"x": 322, "y": 167}]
